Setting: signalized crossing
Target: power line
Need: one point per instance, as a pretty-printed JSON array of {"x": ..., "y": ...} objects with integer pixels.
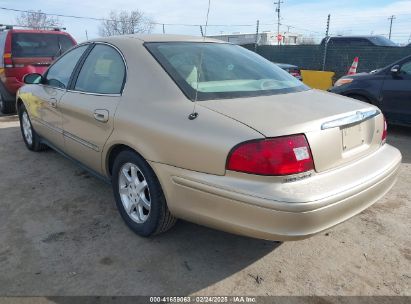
[
  {"x": 157, "y": 23},
  {"x": 162, "y": 24},
  {"x": 112, "y": 20},
  {"x": 57, "y": 15}
]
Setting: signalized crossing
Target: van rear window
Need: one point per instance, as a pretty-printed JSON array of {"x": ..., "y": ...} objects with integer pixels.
[{"x": 39, "y": 45}]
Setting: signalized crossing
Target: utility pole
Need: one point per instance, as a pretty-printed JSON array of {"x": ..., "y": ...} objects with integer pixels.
[
  {"x": 256, "y": 36},
  {"x": 278, "y": 11},
  {"x": 201, "y": 30},
  {"x": 327, "y": 37},
  {"x": 391, "y": 19}
]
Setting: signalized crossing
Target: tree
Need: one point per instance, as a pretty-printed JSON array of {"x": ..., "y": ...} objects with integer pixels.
[
  {"x": 37, "y": 20},
  {"x": 126, "y": 23}
]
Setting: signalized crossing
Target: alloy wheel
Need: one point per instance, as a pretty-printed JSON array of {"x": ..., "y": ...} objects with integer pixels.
[
  {"x": 27, "y": 130},
  {"x": 134, "y": 193}
]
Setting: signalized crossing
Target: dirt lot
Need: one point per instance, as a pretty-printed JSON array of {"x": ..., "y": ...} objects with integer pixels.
[{"x": 60, "y": 234}]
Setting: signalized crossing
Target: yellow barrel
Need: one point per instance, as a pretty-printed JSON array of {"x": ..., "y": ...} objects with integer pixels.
[{"x": 322, "y": 80}]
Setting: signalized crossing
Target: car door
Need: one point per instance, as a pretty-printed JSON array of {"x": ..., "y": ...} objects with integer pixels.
[
  {"x": 396, "y": 94},
  {"x": 44, "y": 105},
  {"x": 89, "y": 106}
]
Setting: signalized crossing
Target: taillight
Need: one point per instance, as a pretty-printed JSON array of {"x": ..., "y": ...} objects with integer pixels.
[
  {"x": 384, "y": 132},
  {"x": 8, "y": 62},
  {"x": 274, "y": 156},
  {"x": 295, "y": 73}
]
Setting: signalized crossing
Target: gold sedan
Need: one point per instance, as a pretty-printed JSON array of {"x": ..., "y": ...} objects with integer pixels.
[{"x": 202, "y": 130}]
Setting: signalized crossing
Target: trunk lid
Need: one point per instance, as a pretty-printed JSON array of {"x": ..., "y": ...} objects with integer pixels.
[{"x": 338, "y": 129}]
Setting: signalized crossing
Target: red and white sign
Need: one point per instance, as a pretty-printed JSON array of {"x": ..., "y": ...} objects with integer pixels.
[{"x": 279, "y": 37}]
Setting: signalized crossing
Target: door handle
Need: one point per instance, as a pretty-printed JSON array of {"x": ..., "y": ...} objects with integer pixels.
[
  {"x": 101, "y": 115},
  {"x": 53, "y": 102}
]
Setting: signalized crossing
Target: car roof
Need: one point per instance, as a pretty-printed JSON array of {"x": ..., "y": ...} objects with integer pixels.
[
  {"x": 30, "y": 31},
  {"x": 160, "y": 38},
  {"x": 357, "y": 36}
]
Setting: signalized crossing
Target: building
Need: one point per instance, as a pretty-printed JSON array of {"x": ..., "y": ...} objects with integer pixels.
[{"x": 264, "y": 38}]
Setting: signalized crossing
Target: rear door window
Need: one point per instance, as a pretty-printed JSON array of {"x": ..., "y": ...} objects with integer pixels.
[
  {"x": 39, "y": 44},
  {"x": 103, "y": 71}
]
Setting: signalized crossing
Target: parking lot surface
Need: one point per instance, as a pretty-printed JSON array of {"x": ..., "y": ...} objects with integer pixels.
[{"x": 60, "y": 234}]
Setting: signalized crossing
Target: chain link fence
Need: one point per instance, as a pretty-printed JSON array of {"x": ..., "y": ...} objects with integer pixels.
[{"x": 338, "y": 59}]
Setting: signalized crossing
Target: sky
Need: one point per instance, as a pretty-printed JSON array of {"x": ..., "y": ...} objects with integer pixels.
[{"x": 348, "y": 17}]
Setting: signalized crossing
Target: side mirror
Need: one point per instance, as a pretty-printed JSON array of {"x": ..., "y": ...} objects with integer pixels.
[
  {"x": 395, "y": 69},
  {"x": 32, "y": 78}
]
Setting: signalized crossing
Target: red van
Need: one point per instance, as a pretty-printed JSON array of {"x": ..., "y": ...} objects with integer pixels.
[{"x": 24, "y": 51}]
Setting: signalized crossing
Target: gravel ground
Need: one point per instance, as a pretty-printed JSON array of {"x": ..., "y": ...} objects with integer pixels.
[{"x": 61, "y": 234}]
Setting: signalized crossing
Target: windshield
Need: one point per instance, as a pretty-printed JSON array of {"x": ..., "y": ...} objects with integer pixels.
[
  {"x": 227, "y": 71},
  {"x": 39, "y": 45}
]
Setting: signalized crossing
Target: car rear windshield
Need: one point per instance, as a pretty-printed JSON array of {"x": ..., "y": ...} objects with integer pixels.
[
  {"x": 226, "y": 71},
  {"x": 39, "y": 44},
  {"x": 382, "y": 41}
]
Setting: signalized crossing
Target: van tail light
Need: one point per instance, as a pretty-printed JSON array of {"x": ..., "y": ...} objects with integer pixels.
[
  {"x": 273, "y": 156},
  {"x": 8, "y": 62},
  {"x": 384, "y": 132}
]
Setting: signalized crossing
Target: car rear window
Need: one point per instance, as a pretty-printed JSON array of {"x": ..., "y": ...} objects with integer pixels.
[
  {"x": 39, "y": 45},
  {"x": 226, "y": 70},
  {"x": 382, "y": 41}
]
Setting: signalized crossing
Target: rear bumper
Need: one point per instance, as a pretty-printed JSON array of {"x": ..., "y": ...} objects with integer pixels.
[
  {"x": 266, "y": 209},
  {"x": 12, "y": 84}
]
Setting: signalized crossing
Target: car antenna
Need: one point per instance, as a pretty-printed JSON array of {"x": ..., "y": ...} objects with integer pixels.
[{"x": 193, "y": 115}]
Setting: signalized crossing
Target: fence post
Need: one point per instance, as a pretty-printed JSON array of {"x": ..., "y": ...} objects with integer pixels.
[{"x": 327, "y": 38}]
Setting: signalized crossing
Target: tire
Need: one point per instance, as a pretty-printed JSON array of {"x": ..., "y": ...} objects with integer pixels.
[
  {"x": 33, "y": 141},
  {"x": 139, "y": 196},
  {"x": 7, "y": 106}
]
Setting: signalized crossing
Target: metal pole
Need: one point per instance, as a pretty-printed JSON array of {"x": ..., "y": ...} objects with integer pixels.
[
  {"x": 164, "y": 29},
  {"x": 86, "y": 35},
  {"x": 327, "y": 38},
  {"x": 256, "y": 36},
  {"x": 278, "y": 10},
  {"x": 391, "y": 19},
  {"x": 201, "y": 30}
]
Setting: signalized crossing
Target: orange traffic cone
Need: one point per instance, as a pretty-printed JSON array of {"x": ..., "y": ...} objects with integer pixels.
[{"x": 353, "y": 68}]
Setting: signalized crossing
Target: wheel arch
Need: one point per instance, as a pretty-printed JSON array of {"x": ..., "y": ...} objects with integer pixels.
[
  {"x": 112, "y": 153},
  {"x": 364, "y": 94},
  {"x": 19, "y": 102}
]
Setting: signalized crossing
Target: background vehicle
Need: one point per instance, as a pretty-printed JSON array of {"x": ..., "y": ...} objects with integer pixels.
[
  {"x": 24, "y": 51},
  {"x": 389, "y": 88},
  {"x": 292, "y": 69},
  {"x": 354, "y": 41},
  {"x": 258, "y": 153}
]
